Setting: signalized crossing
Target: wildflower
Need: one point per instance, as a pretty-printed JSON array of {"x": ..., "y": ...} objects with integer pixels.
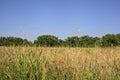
[
  {"x": 64, "y": 69},
  {"x": 61, "y": 62},
  {"x": 52, "y": 61}
]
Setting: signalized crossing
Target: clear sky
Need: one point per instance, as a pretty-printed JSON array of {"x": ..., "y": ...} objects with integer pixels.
[{"x": 62, "y": 18}]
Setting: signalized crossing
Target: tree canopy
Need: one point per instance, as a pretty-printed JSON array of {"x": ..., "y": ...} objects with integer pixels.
[
  {"x": 46, "y": 40},
  {"x": 14, "y": 41},
  {"x": 108, "y": 40}
]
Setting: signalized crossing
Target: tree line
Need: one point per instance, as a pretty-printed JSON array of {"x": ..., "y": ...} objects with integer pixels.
[
  {"x": 14, "y": 41},
  {"x": 108, "y": 40}
]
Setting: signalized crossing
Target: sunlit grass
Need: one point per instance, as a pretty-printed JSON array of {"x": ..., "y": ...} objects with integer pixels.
[{"x": 45, "y": 63}]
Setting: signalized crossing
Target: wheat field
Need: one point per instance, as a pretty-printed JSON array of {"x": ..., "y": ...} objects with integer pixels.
[{"x": 59, "y": 63}]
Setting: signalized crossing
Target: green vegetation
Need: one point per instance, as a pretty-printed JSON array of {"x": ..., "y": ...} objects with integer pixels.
[
  {"x": 108, "y": 40},
  {"x": 46, "y": 63},
  {"x": 46, "y": 40},
  {"x": 14, "y": 41}
]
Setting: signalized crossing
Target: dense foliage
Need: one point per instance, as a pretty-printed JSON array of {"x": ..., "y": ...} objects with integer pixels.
[
  {"x": 108, "y": 40},
  {"x": 14, "y": 41},
  {"x": 46, "y": 40}
]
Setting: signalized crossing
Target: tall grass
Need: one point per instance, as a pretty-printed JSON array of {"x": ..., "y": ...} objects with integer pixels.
[{"x": 45, "y": 63}]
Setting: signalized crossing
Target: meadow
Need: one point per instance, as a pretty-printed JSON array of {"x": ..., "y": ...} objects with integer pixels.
[{"x": 59, "y": 63}]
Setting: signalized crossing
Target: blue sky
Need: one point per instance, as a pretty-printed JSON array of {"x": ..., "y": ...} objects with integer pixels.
[{"x": 62, "y": 18}]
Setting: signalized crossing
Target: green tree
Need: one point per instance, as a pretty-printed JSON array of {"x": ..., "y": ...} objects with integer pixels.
[
  {"x": 14, "y": 41},
  {"x": 72, "y": 41},
  {"x": 86, "y": 41},
  {"x": 46, "y": 40},
  {"x": 109, "y": 40},
  {"x": 96, "y": 41},
  {"x": 62, "y": 43},
  {"x": 118, "y": 38},
  {"x": 27, "y": 43}
]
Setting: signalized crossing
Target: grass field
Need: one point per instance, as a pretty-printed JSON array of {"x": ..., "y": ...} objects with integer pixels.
[{"x": 44, "y": 63}]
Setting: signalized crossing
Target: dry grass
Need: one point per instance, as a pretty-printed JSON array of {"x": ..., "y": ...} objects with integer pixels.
[{"x": 45, "y": 63}]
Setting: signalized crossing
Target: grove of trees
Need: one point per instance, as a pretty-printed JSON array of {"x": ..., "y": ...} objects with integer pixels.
[
  {"x": 108, "y": 40},
  {"x": 14, "y": 41}
]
